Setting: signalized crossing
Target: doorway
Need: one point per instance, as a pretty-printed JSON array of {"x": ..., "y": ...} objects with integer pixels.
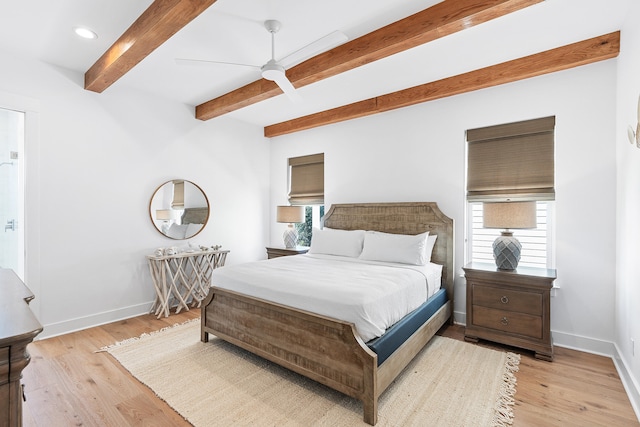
[{"x": 12, "y": 236}]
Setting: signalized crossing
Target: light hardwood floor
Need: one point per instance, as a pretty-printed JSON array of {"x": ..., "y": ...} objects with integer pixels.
[{"x": 68, "y": 384}]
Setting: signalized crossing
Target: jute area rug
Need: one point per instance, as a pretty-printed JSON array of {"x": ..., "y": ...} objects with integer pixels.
[{"x": 449, "y": 383}]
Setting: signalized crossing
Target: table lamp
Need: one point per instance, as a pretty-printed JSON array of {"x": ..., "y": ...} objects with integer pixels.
[
  {"x": 166, "y": 216},
  {"x": 508, "y": 215},
  {"x": 290, "y": 215}
]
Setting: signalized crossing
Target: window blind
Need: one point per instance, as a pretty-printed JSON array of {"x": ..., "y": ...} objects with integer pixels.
[
  {"x": 306, "y": 180},
  {"x": 535, "y": 242},
  {"x": 178, "y": 195},
  {"x": 513, "y": 161}
]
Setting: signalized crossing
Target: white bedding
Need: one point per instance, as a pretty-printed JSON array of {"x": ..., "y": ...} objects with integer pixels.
[{"x": 372, "y": 295}]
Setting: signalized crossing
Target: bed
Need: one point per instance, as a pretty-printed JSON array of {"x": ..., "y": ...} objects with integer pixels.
[
  {"x": 192, "y": 222},
  {"x": 329, "y": 350}
]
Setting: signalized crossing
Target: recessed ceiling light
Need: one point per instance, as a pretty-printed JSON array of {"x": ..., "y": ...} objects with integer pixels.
[{"x": 85, "y": 33}]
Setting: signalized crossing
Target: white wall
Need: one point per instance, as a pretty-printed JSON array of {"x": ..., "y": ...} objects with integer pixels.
[
  {"x": 418, "y": 154},
  {"x": 91, "y": 171},
  {"x": 628, "y": 211}
]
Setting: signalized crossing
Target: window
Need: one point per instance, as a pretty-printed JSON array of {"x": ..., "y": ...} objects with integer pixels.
[
  {"x": 312, "y": 218},
  {"x": 306, "y": 187},
  {"x": 512, "y": 162},
  {"x": 536, "y": 243}
]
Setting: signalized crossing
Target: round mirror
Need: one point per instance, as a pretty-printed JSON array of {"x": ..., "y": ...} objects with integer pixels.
[{"x": 179, "y": 209}]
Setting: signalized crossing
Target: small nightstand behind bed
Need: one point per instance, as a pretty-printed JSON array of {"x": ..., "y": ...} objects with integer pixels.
[
  {"x": 510, "y": 307},
  {"x": 281, "y": 251}
]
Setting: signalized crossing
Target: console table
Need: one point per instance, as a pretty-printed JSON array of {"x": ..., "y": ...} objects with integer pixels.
[
  {"x": 182, "y": 278},
  {"x": 18, "y": 327}
]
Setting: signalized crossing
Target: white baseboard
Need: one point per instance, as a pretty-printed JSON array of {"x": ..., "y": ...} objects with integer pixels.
[
  {"x": 79, "y": 323},
  {"x": 580, "y": 343},
  {"x": 628, "y": 381}
]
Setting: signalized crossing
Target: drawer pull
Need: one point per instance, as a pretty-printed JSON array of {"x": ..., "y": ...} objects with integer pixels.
[
  {"x": 504, "y": 299},
  {"x": 504, "y": 321}
]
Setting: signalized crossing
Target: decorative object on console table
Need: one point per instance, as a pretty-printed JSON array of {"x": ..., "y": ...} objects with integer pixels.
[
  {"x": 510, "y": 307},
  {"x": 18, "y": 327},
  {"x": 180, "y": 278},
  {"x": 506, "y": 248},
  {"x": 290, "y": 215},
  {"x": 278, "y": 252}
]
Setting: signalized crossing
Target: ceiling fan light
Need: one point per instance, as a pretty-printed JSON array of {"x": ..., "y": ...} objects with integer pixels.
[{"x": 272, "y": 71}]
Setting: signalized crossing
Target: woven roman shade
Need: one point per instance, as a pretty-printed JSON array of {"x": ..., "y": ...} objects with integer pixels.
[
  {"x": 306, "y": 180},
  {"x": 178, "y": 195},
  {"x": 514, "y": 161}
]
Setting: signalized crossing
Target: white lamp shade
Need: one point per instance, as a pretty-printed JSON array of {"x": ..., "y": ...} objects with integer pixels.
[
  {"x": 165, "y": 214},
  {"x": 290, "y": 214},
  {"x": 507, "y": 215}
]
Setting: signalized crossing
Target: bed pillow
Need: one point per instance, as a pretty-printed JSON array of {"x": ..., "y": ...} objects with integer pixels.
[
  {"x": 330, "y": 241},
  {"x": 431, "y": 242},
  {"x": 192, "y": 230},
  {"x": 402, "y": 248},
  {"x": 177, "y": 231}
]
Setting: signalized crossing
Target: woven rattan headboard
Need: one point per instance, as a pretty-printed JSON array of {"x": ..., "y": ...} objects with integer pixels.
[
  {"x": 401, "y": 218},
  {"x": 195, "y": 215}
]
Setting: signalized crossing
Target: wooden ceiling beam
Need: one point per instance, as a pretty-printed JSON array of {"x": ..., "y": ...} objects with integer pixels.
[
  {"x": 156, "y": 25},
  {"x": 562, "y": 58},
  {"x": 440, "y": 20}
]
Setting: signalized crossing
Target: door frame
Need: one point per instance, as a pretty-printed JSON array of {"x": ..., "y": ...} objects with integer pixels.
[{"x": 31, "y": 164}]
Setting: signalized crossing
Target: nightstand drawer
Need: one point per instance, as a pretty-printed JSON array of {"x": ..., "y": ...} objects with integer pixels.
[
  {"x": 506, "y": 299},
  {"x": 508, "y": 321}
]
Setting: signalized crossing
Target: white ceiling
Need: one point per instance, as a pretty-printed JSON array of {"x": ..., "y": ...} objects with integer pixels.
[{"x": 233, "y": 31}]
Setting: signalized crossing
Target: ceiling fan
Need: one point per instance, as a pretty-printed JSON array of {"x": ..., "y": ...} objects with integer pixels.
[{"x": 275, "y": 70}]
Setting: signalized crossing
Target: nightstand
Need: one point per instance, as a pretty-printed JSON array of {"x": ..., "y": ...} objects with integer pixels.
[
  {"x": 281, "y": 251},
  {"x": 510, "y": 307}
]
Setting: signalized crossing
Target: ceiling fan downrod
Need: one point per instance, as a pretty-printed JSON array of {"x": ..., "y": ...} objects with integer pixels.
[{"x": 272, "y": 70}]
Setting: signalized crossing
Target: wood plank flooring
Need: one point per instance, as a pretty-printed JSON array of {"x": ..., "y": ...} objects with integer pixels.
[{"x": 68, "y": 384}]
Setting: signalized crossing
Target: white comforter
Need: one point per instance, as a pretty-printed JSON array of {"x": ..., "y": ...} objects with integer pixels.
[{"x": 372, "y": 295}]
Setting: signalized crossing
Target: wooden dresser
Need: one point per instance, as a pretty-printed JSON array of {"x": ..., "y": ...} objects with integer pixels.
[
  {"x": 18, "y": 327},
  {"x": 510, "y": 307}
]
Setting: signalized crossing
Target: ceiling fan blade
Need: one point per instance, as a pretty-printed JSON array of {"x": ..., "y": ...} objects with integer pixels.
[
  {"x": 323, "y": 44},
  {"x": 283, "y": 82},
  {"x": 202, "y": 62}
]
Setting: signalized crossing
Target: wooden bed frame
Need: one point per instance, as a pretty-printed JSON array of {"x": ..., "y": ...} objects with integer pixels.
[{"x": 324, "y": 349}]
